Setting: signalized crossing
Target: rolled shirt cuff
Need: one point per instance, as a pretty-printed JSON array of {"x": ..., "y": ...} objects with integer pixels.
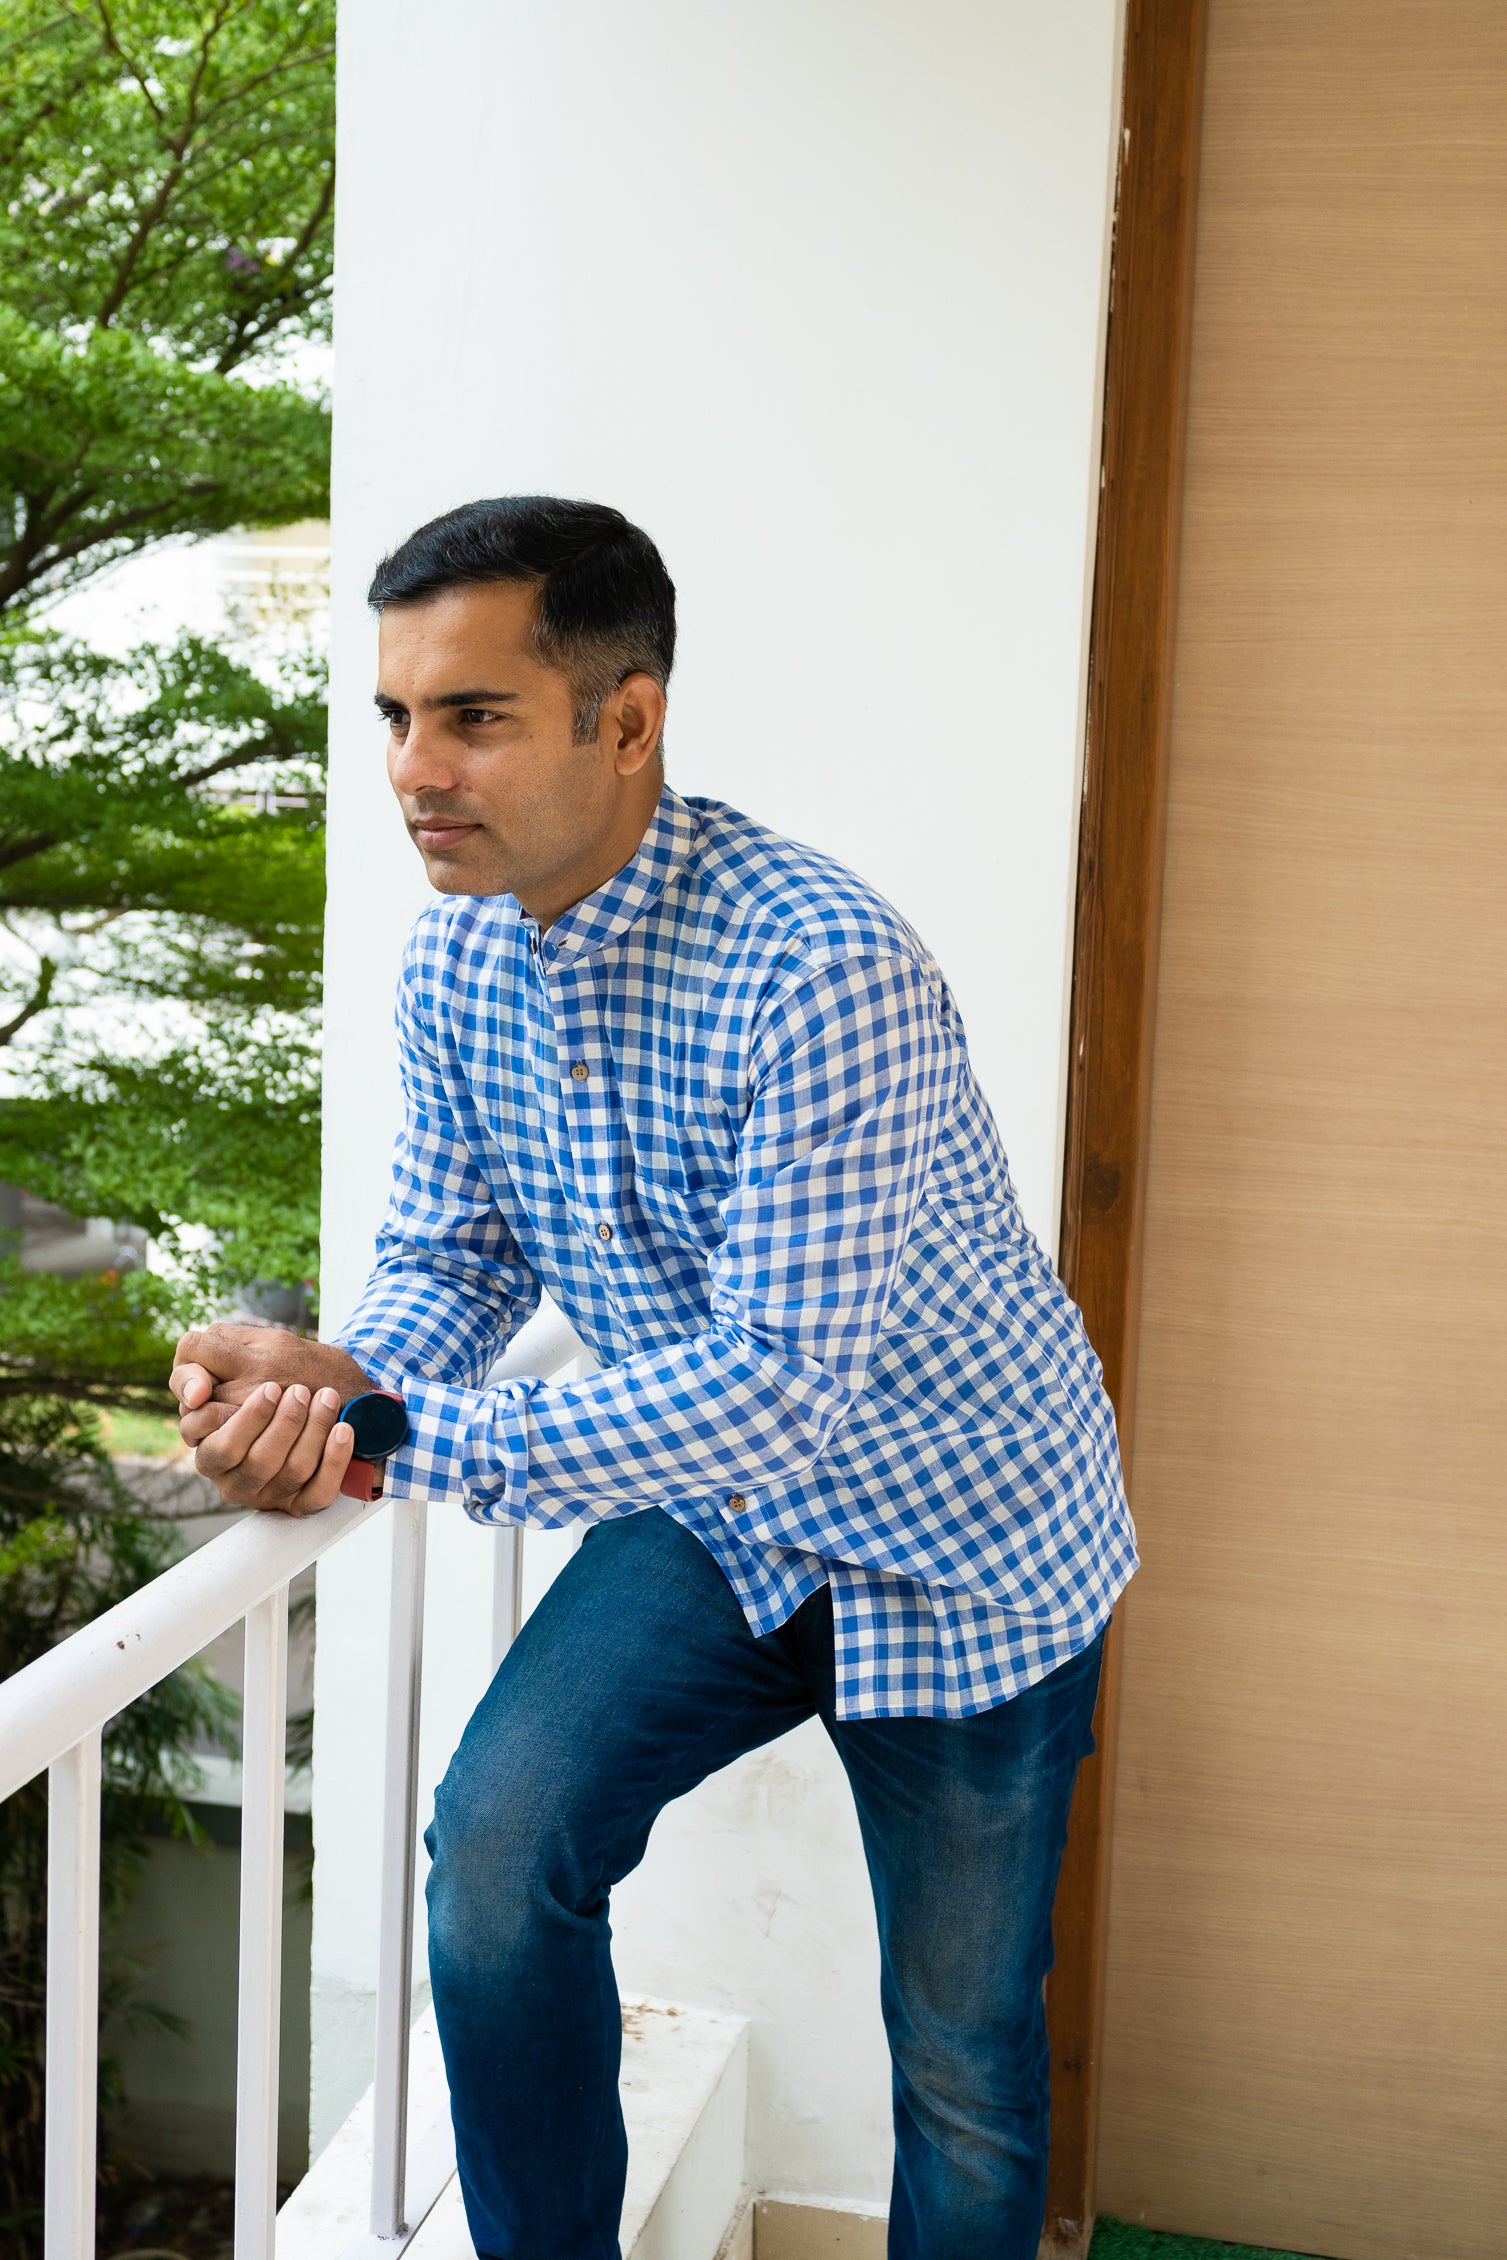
[{"x": 470, "y": 1444}]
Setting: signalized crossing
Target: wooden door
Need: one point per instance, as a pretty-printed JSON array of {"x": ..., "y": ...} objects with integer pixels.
[{"x": 1306, "y": 2023}]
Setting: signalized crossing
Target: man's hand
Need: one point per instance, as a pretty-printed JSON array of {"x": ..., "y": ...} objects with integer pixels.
[{"x": 259, "y": 1406}]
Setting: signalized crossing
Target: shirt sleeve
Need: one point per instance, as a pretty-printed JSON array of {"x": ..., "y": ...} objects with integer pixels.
[
  {"x": 851, "y": 1079},
  {"x": 450, "y": 1285}
]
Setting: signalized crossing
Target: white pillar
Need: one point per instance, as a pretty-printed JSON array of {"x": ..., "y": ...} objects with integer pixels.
[{"x": 815, "y": 292}]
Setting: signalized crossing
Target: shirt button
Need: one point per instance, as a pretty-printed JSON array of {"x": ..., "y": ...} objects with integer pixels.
[
  {"x": 579, "y": 1072},
  {"x": 604, "y": 1233},
  {"x": 737, "y": 1502}
]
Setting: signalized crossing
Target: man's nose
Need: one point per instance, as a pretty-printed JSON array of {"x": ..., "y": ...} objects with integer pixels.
[{"x": 422, "y": 762}]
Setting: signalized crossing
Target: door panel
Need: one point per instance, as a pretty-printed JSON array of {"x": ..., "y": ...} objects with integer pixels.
[{"x": 1306, "y": 2039}]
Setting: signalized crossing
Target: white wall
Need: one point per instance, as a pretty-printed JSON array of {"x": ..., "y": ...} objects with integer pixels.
[{"x": 814, "y": 289}]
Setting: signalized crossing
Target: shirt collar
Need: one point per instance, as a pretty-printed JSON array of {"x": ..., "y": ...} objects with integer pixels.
[{"x": 591, "y": 924}]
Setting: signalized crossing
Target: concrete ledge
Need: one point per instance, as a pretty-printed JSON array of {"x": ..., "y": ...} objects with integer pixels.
[
  {"x": 795, "y": 2229},
  {"x": 685, "y": 2098},
  {"x": 329, "y": 2209},
  {"x": 774, "y": 2228},
  {"x": 684, "y": 2090}
]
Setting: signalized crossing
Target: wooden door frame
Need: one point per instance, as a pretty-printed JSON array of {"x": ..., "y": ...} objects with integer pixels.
[{"x": 1118, "y": 925}]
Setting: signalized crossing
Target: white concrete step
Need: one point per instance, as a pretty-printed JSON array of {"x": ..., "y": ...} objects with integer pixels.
[{"x": 684, "y": 2090}]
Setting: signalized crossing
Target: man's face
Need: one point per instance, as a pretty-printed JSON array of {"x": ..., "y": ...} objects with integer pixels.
[{"x": 495, "y": 794}]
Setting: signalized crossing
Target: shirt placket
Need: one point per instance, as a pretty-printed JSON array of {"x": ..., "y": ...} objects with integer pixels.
[
  {"x": 588, "y": 1116},
  {"x": 544, "y": 1056}
]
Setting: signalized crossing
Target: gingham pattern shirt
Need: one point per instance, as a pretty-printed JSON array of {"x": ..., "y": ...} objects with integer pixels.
[{"x": 723, "y": 1111}]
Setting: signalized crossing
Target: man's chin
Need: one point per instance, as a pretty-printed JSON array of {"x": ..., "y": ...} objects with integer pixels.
[{"x": 460, "y": 875}]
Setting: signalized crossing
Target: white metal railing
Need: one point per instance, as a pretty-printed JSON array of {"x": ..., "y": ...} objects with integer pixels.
[{"x": 52, "y": 1715}]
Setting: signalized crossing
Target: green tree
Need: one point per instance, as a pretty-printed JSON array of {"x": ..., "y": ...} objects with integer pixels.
[
  {"x": 166, "y": 185},
  {"x": 162, "y": 894}
]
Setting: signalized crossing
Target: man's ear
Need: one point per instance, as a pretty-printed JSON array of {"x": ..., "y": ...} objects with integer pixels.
[{"x": 633, "y": 721}]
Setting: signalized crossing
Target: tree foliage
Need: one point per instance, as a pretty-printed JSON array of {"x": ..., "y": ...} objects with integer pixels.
[
  {"x": 166, "y": 189},
  {"x": 161, "y": 818},
  {"x": 81, "y": 483},
  {"x": 162, "y": 896},
  {"x": 103, "y": 1340},
  {"x": 166, "y": 192}
]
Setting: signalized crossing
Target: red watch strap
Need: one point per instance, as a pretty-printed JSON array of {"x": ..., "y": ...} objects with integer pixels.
[{"x": 363, "y": 1480}]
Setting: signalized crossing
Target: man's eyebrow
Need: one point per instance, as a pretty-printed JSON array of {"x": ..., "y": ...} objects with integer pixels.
[{"x": 454, "y": 698}]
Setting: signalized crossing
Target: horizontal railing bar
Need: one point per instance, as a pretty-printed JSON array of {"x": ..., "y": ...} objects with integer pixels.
[{"x": 52, "y": 1703}]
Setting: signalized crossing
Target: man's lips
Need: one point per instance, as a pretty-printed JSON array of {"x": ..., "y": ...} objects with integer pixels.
[{"x": 440, "y": 832}]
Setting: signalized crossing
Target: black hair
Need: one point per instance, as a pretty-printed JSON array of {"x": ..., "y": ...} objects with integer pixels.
[{"x": 606, "y": 603}]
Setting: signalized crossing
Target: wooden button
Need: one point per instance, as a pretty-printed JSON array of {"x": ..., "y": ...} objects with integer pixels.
[
  {"x": 737, "y": 1502},
  {"x": 604, "y": 1233},
  {"x": 579, "y": 1072}
]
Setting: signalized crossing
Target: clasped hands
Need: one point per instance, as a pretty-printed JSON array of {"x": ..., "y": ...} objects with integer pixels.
[{"x": 260, "y": 1407}]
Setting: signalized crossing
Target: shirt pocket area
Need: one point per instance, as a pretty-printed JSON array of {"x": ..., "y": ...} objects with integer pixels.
[{"x": 685, "y": 1215}]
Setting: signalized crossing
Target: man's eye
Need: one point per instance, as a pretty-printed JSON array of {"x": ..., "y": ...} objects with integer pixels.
[{"x": 477, "y": 714}]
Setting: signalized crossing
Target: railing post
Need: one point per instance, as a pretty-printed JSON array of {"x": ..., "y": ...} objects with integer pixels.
[
  {"x": 507, "y": 1589},
  {"x": 263, "y": 1764},
  {"x": 399, "y": 1825},
  {"x": 73, "y": 1785}
]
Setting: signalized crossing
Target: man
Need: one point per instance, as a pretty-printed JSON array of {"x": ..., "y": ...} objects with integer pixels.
[{"x": 848, "y": 1453}]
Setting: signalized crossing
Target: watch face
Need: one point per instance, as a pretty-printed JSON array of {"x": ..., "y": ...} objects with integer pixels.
[{"x": 380, "y": 1422}]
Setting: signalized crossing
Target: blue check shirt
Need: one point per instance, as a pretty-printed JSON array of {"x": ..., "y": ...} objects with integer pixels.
[{"x": 723, "y": 1111}]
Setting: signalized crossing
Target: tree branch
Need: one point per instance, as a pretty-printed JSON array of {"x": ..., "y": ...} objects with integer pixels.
[
  {"x": 118, "y": 528},
  {"x": 269, "y": 748},
  {"x": 128, "y": 1396},
  {"x": 178, "y": 146},
  {"x": 241, "y": 758},
  {"x": 290, "y": 62},
  {"x": 37, "y": 1002},
  {"x": 21, "y": 851},
  {"x": 112, "y": 41},
  {"x": 249, "y": 330}
]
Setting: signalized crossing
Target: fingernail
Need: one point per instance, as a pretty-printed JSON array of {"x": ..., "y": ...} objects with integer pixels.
[
  {"x": 299, "y": 1393},
  {"x": 272, "y": 1390},
  {"x": 328, "y": 1399},
  {"x": 343, "y": 1433}
]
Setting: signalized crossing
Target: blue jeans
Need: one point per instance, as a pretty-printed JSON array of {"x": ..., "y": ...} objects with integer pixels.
[{"x": 635, "y": 1678}]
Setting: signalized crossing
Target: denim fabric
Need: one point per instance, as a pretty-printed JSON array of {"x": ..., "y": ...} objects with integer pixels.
[{"x": 635, "y": 1678}]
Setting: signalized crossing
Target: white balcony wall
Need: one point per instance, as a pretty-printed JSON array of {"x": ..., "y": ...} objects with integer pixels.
[{"x": 815, "y": 290}]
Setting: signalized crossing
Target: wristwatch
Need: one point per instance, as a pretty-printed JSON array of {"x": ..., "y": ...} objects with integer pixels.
[{"x": 380, "y": 1420}]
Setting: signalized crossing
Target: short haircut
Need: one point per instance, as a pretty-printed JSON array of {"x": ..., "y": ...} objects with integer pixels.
[{"x": 606, "y": 604}]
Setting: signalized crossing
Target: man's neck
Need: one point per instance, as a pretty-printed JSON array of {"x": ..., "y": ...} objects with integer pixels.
[{"x": 608, "y": 858}]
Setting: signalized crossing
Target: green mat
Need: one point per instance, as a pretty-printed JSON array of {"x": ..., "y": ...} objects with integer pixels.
[{"x": 1118, "y": 2240}]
